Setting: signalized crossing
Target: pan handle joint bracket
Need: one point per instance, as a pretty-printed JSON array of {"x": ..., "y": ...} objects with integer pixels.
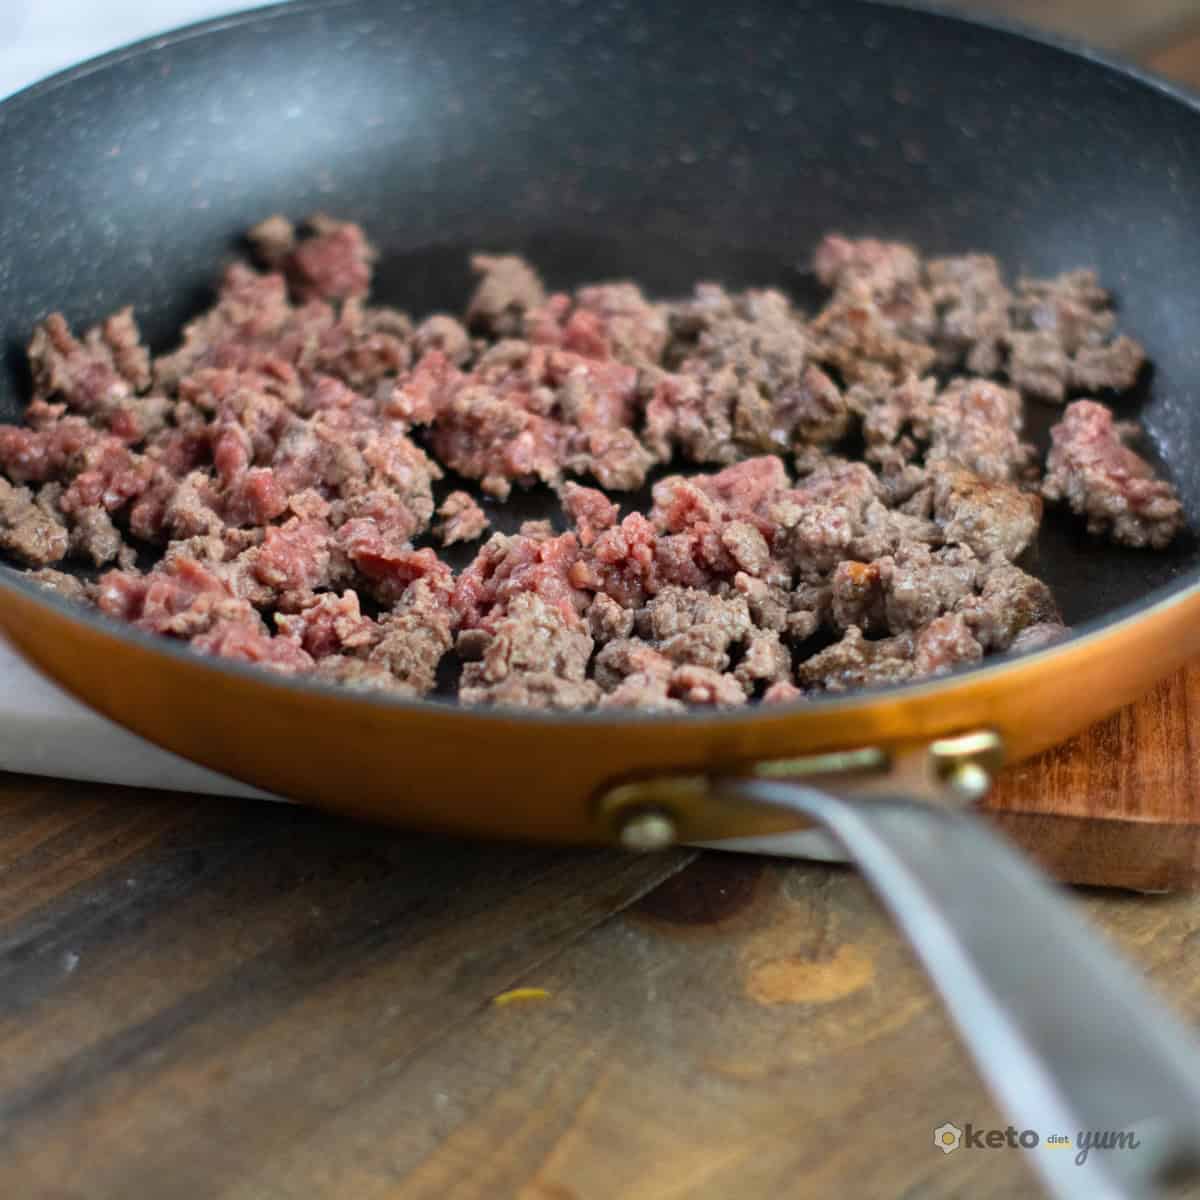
[{"x": 656, "y": 811}]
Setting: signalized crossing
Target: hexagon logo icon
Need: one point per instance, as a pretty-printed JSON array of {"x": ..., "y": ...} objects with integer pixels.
[{"x": 947, "y": 1138}]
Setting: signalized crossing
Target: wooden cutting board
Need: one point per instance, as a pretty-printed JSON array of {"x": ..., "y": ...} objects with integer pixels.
[{"x": 1119, "y": 805}]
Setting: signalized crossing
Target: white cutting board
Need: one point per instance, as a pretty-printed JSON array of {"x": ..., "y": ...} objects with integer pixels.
[{"x": 43, "y": 731}]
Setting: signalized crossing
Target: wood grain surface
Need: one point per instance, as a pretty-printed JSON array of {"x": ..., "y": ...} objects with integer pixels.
[{"x": 203, "y": 999}]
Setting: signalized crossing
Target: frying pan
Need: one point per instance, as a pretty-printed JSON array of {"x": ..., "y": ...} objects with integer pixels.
[{"x": 668, "y": 142}]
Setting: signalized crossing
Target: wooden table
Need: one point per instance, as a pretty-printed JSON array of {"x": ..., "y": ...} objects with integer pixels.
[{"x": 204, "y": 998}]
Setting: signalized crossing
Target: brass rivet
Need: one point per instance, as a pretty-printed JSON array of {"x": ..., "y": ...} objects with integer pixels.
[
  {"x": 970, "y": 780},
  {"x": 647, "y": 829}
]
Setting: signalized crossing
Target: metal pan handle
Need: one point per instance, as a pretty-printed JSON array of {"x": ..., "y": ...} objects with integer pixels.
[{"x": 1064, "y": 1034}]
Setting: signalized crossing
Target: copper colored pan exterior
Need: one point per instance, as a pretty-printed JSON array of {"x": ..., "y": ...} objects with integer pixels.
[{"x": 524, "y": 776}]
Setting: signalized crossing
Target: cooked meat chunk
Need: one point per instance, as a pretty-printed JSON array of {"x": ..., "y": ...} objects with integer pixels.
[
  {"x": 28, "y": 530},
  {"x": 629, "y": 656},
  {"x": 946, "y": 642},
  {"x": 95, "y": 537},
  {"x": 444, "y": 335},
  {"x": 1091, "y": 469},
  {"x": 1008, "y": 601},
  {"x": 782, "y": 693},
  {"x": 857, "y": 596},
  {"x": 508, "y": 288},
  {"x": 990, "y": 517},
  {"x": 919, "y": 584},
  {"x": 1037, "y": 637},
  {"x": 705, "y": 687},
  {"x": 273, "y": 240},
  {"x": 854, "y": 662},
  {"x": 678, "y": 610},
  {"x": 855, "y": 336},
  {"x": 460, "y": 519},
  {"x": 884, "y": 268},
  {"x": 61, "y": 584},
  {"x": 332, "y": 263},
  {"x": 1062, "y": 339},
  {"x": 416, "y": 635},
  {"x": 742, "y": 381},
  {"x": 767, "y": 662},
  {"x": 360, "y": 674},
  {"x": 607, "y": 620},
  {"x": 972, "y": 305},
  {"x": 978, "y": 425},
  {"x": 533, "y": 657}
]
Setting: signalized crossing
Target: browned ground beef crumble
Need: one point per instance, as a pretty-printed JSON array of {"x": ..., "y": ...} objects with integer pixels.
[{"x": 282, "y": 460}]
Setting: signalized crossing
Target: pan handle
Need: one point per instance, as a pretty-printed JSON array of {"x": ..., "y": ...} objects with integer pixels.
[{"x": 1065, "y": 1035}]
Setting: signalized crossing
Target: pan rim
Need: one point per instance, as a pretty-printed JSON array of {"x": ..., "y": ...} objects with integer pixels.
[
  {"x": 994, "y": 23},
  {"x": 1092, "y": 633}
]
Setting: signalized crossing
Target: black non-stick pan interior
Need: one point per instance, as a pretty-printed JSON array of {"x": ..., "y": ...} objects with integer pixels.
[{"x": 669, "y": 142}]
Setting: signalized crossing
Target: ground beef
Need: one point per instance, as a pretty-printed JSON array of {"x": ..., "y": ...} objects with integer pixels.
[
  {"x": 508, "y": 288},
  {"x": 1036, "y": 637},
  {"x": 854, "y": 336},
  {"x": 741, "y": 381},
  {"x": 417, "y": 635},
  {"x": 1062, "y": 339},
  {"x": 525, "y": 413},
  {"x": 532, "y": 656},
  {"x": 272, "y": 240},
  {"x": 460, "y": 519},
  {"x": 705, "y": 687},
  {"x": 507, "y": 567},
  {"x": 60, "y": 583},
  {"x": 676, "y": 611},
  {"x": 327, "y": 623},
  {"x": 766, "y": 662},
  {"x": 633, "y": 674},
  {"x": 607, "y": 621},
  {"x": 887, "y": 270},
  {"x": 988, "y": 516},
  {"x": 624, "y": 657},
  {"x": 1091, "y": 469},
  {"x": 333, "y": 263},
  {"x": 973, "y": 312},
  {"x": 28, "y": 531},
  {"x": 590, "y": 511},
  {"x": 896, "y": 420},
  {"x": 1007, "y": 602},
  {"x": 93, "y": 376},
  {"x": 360, "y": 674},
  {"x": 446, "y": 336},
  {"x": 607, "y": 320},
  {"x": 872, "y": 488},
  {"x": 855, "y": 662},
  {"x": 782, "y": 693},
  {"x": 95, "y": 537},
  {"x": 978, "y": 424}
]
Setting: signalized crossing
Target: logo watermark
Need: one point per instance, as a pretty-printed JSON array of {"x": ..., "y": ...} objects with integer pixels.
[{"x": 949, "y": 1137}]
